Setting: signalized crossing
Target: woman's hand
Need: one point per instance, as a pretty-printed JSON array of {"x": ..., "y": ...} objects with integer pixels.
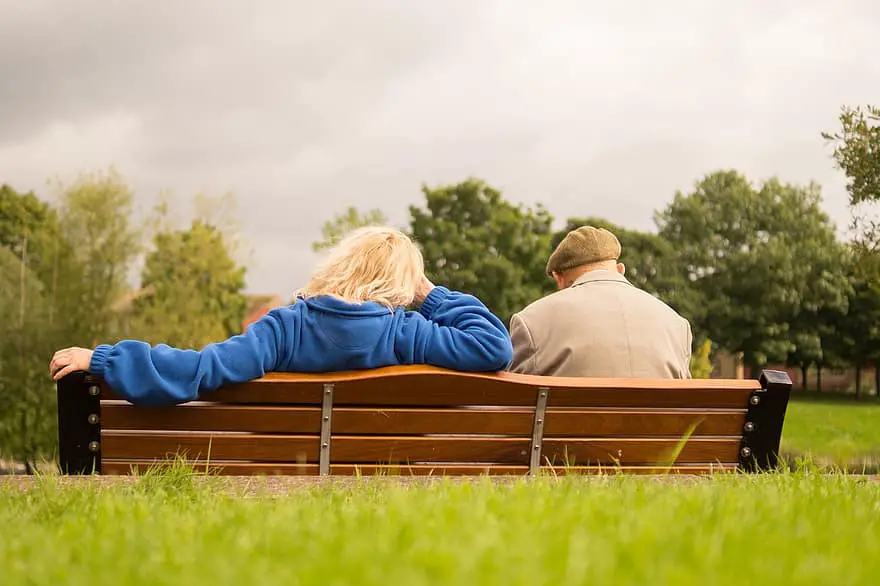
[
  {"x": 423, "y": 290},
  {"x": 70, "y": 360}
]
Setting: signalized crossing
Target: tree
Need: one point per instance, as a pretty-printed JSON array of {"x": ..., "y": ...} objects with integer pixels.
[
  {"x": 336, "y": 228},
  {"x": 192, "y": 289},
  {"x": 24, "y": 217},
  {"x": 27, "y": 400},
  {"x": 651, "y": 264},
  {"x": 96, "y": 222},
  {"x": 34, "y": 264},
  {"x": 855, "y": 337},
  {"x": 764, "y": 260},
  {"x": 825, "y": 304},
  {"x": 857, "y": 152},
  {"x": 475, "y": 241}
]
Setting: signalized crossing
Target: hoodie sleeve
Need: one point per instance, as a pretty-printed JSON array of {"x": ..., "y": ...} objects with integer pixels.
[
  {"x": 162, "y": 375},
  {"x": 456, "y": 331}
]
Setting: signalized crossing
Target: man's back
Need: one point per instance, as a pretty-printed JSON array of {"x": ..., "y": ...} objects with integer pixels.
[{"x": 602, "y": 326}]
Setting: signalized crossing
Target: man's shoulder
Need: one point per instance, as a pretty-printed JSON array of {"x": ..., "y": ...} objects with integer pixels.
[
  {"x": 557, "y": 300},
  {"x": 547, "y": 304},
  {"x": 655, "y": 302}
]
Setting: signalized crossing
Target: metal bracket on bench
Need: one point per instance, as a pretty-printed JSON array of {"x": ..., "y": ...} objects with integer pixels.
[
  {"x": 79, "y": 424},
  {"x": 762, "y": 431},
  {"x": 326, "y": 420},
  {"x": 538, "y": 431}
]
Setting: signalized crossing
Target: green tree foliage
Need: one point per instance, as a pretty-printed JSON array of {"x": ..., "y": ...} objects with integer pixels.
[
  {"x": 651, "y": 264},
  {"x": 336, "y": 228},
  {"x": 35, "y": 265},
  {"x": 857, "y": 152},
  {"x": 853, "y": 338},
  {"x": 192, "y": 289},
  {"x": 24, "y": 217},
  {"x": 701, "y": 360},
  {"x": 764, "y": 260},
  {"x": 96, "y": 222},
  {"x": 475, "y": 241},
  {"x": 27, "y": 400}
]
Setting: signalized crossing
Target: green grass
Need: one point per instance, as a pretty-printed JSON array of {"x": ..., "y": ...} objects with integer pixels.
[
  {"x": 833, "y": 429},
  {"x": 797, "y": 528}
]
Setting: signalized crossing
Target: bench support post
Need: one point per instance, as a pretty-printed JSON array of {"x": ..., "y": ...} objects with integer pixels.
[
  {"x": 538, "y": 431},
  {"x": 326, "y": 417},
  {"x": 79, "y": 424},
  {"x": 762, "y": 431}
]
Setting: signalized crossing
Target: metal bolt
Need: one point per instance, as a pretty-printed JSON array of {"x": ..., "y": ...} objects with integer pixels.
[
  {"x": 326, "y": 418},
  {"x": 746, "y": 452},
  {"x": 94, "y": 446},
  {"x": 755, "y": 400},
  {"x": 93, "y": 418},
  {"x": 543, "y": 394},
  {"x": 94, "y": 390},
  {"x": 749, "y": 426},
  {"x": 327, "y": 392},
  {"x": 537, "y": 446},
  {"x": 540, "y": 421},
  {"x": 325, "y": 445}
]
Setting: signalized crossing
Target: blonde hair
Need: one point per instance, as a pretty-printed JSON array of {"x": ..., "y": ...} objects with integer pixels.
[{"x": 370, "y": 264}]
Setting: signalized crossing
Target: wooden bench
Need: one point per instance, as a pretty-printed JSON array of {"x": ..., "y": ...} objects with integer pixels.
[{"x": 422, "y": 420}]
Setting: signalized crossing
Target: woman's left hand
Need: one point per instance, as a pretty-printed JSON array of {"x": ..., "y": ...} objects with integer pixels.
[{"x": 70, "y": 360}]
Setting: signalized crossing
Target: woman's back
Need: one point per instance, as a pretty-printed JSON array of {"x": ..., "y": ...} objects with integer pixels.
[{"x": 332, "y": 335}]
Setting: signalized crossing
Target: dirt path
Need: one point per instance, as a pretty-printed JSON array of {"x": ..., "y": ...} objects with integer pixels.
[{"x": 281, "y": 485}]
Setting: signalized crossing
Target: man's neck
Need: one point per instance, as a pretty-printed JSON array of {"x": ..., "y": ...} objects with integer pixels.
[{"x": 577, "y": 274}]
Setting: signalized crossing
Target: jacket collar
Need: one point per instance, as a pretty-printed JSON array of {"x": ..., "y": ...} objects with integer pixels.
[{"x": 600, "y": 275}]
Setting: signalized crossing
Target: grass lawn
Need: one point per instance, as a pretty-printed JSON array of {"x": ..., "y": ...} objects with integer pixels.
[
  {"x": 834, "y": 429},
  {"x": 796, "y": 528}
]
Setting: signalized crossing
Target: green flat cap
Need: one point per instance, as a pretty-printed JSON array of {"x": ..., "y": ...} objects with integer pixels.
[{"x": 583, "y": 246}]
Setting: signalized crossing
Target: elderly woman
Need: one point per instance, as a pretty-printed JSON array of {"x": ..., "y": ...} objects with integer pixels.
[{"x": 349, "y": 316}]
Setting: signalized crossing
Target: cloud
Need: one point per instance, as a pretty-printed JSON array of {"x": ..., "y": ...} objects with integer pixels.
[{"x": 303, "y": 108}]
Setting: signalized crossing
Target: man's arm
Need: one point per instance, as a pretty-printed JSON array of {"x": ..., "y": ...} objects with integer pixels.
[{"x": 525, "y": 358}]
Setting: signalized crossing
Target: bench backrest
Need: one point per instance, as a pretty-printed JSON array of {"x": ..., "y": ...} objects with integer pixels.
[{"x": 424, "y": 420}]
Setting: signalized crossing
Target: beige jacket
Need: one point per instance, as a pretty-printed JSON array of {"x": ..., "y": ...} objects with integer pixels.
[{"x": 602, "y": 326}]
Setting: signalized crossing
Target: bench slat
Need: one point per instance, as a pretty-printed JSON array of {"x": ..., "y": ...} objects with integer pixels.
[
  {"x": 643, "y": 423},
  {"x": 499, "y": 393},
  {"x": 415, "y": 386},
  {"x": 272, "y": 469},
  {"x": 373, "y": 449},
  {"x": 401, "y": 421}
]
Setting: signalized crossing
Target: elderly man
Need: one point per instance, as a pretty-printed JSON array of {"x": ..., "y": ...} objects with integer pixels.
[{"x": 598, "y": 324}]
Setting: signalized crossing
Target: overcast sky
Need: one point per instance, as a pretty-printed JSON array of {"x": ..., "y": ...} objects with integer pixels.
[{"x": 302, "y": 108}]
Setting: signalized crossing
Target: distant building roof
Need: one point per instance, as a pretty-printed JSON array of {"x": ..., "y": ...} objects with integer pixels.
[
  {"x": 259, "y": 305},
  {"x": 125, "y": 301}
]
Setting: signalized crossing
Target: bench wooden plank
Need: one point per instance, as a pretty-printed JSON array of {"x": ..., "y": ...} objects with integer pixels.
[
  {"x": 499, "y": 393},
  {"x": 373, "y": 449},
  {"x": 275, "y": 469},
  {"x": 403, "y": 421},
  {"x": 640, "y": 422},
  {"x": 417, "y": 386}
]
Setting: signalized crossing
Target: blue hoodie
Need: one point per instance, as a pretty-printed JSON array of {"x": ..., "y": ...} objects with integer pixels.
[{"x": 321, "y": 334}]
